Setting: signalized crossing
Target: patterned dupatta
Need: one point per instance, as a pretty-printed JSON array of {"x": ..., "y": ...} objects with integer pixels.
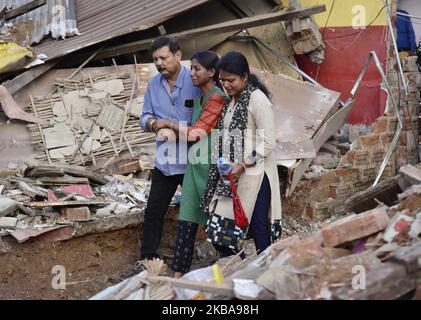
[{"x": 235, "y": 145}]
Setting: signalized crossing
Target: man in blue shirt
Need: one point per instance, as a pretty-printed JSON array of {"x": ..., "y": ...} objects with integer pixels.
[
  {"x": 169, "y": 96},
  {"x": 406, "y": 36}
]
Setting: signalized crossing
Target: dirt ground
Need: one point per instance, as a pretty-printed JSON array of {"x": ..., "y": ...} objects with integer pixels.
[{"x": 92, "y": 263}]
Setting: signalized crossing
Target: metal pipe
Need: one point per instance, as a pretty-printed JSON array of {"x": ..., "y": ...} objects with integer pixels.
[
  {"x": 360, "y": 77},
  {"x": 279, "y": 56},
  {"x": 399, "y": 128},
  {"x": 398, "y": 115}
]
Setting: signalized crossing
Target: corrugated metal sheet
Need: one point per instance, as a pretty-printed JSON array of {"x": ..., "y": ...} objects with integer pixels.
[
  {"x": 57, "y": 17},
  {"x": 101, "y": 20}
]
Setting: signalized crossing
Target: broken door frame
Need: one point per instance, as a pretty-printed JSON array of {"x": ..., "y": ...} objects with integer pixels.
[{"x": 373, "y": 56}]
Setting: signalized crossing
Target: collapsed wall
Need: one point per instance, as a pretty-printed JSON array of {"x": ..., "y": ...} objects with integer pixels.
[{"x": 322, "y": 195}]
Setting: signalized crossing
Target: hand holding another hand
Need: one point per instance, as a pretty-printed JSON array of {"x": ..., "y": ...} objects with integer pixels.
[
  {"x": 157, "y": 124},
  {"x": 161, "y": 124}
]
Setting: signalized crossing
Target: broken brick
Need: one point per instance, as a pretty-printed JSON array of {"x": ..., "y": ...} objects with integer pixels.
[
  {"x": 380, "y": 125},
  {"x": 302, "y": 253},
  {"x": 321, "y": 210},
  {"x": 348, "y": 174},
  {"x": 355, "y": 227},
  {"x": 77, "y": 214},
  {"x": 398, "y": 225},
  {"x": 129, "y": 167},
  {"x": 368, "y": 173},
  {"x": 387, "y": 282},
  {"x": 344, "y": 191},
  {"x": 281, "y": 245},
  {"x": 386, "y": 138},
  {"x": 409, "y": 64},
  {"x": 362, "y": 158},
  {"x": 393, "y": 125},
  {"x": 389, "y": 171},
  {"x": 410, "y": 257},
  {"x": 369, "y": 141},
  {"x": 378, "y": 156},
  {"x": 361, "y": 185},
  {"x": 411, "y": 174}
]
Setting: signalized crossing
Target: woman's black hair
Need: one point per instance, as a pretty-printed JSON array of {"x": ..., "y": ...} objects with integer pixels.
[
  {"x": 236, "y": 63},
  {"x": 209, "y": 60}
]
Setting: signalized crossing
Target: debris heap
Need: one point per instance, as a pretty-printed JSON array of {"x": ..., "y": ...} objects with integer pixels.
[{"x": 41, "y": 198}]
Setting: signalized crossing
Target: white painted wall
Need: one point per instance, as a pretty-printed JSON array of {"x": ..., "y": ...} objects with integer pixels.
[{"x": 414, "y": 8}]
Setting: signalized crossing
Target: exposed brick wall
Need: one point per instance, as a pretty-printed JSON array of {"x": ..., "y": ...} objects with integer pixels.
[{"x": 322, "y": 196}]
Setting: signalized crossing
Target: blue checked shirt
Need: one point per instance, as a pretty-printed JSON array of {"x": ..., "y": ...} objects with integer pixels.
[{"x": 159, "y": 102}]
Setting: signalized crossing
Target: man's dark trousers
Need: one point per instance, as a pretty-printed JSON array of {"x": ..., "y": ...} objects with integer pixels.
[{"x": 162, "y": 191}]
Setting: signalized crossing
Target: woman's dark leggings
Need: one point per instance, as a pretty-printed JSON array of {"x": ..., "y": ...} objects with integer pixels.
[
  {"x": 259, "y": 229},
  {"x": 184, "y": 248}
]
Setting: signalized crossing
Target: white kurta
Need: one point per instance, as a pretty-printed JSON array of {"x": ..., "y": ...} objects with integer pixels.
[{"x": 261, "y": 137}]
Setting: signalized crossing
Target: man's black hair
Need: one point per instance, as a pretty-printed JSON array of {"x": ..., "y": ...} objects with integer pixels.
[{"x": 163, "y": 41}]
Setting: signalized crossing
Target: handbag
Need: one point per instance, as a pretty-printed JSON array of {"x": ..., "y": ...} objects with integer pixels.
[
  {"x": 240, "y": 216},
  {"x": 226, "y": 232},
  {"x": 223, "y": 232}
]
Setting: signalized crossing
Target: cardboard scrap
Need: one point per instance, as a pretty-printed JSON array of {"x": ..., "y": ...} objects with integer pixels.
[
  {"x": 26, "y": 234},
  {"x": 83, "y": 190}
]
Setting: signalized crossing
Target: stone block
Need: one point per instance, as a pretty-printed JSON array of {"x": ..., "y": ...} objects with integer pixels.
[{"x": 355, "y": 227}]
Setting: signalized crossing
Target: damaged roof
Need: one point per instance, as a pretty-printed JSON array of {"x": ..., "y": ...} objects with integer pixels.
[
  {"x": 98, "y": 21},
  {"x": 56, "y": 17}
]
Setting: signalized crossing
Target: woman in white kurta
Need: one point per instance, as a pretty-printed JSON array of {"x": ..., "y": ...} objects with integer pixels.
[{"x": 249, "y": 120}]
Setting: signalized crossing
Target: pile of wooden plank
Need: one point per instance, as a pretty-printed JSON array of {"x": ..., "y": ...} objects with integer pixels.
[
  {"x": 40, "y": 199},
  {"x": 92, "y": 119}
]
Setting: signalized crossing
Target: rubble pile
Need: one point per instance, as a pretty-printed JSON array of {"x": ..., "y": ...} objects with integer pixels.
[
  {"x": 377, "y": 250},
  {"x": 351, "y": 223},
  {"x": 370, "y": 255},
  {"x": 40, "y": 199},
  {"x": 138, "y": 287}
]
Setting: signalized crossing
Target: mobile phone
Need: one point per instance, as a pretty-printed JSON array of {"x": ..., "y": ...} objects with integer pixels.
[{"x": 188, "y": 103}]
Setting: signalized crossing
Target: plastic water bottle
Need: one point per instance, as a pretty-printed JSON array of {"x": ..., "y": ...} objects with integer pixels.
[{"x": 224, "y": 167}]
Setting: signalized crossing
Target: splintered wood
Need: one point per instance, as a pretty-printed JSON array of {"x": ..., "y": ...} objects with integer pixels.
[{"x": 88, "y": 119}]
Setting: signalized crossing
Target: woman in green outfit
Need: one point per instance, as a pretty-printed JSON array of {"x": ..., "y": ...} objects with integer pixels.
[{"x": 207, "y": 111}]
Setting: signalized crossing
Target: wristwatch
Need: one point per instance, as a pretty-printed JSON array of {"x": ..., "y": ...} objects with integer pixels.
[{"x": 255, "y": 159}]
